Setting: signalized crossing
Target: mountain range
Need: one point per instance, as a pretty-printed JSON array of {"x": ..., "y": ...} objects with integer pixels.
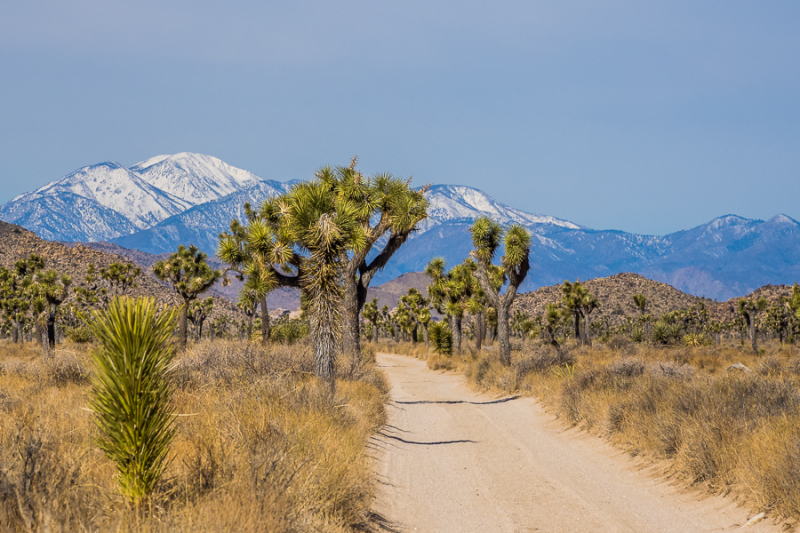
[{"x": 165, "y": 201}]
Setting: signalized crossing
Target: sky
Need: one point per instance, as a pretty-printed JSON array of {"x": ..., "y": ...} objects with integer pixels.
[{"x": 648, "y": 117}]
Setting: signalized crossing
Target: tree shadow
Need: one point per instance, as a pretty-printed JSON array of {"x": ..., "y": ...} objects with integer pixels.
[
  {"x": 451, "y": 402},
  {"x": 432, "y": 443}
]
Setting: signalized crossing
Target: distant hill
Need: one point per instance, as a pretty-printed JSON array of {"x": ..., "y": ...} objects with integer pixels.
[
  {"x": 74, "y": 261},
  {"x": 389, "y": 293}
]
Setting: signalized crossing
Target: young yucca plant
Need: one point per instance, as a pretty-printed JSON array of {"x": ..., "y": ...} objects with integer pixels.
[{"x": 131, "y": 392}]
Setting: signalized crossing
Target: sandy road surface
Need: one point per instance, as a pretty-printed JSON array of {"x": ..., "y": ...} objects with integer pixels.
[{"x": 451, "y": 460}]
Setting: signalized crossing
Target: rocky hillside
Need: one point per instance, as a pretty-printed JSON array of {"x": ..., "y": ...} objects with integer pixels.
[
  {"x": 74, "y": 261},
  {"x": 616, "y": 297},
  {"x": 389, "y": 293}
]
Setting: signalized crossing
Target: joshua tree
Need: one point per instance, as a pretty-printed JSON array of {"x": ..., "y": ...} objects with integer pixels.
[
  {"x": 450, "y": 291},
  {"x": 418, "y": 312},
  {"x": 262, "y": 255},
  {"x": 190, "y": 276},
  {"x": 15, "y": 292},
  {"x": 54, "y": 290},
  {"x": 777, "y": 320},
  {"x": 248, "y": 302},
  {"x": 383, "y": 207},
  {"x": 552, "y": 318},
  {"x": 198, "y": 313},
  {"x": 100, "y": 285},
  {"x": 486, "y": 238},
  {"x": 371, "y": 313},
  {"x": 750, "y": 311},
  {"x": 326, "y": 227},
  {"x": 581, "y": 304}
]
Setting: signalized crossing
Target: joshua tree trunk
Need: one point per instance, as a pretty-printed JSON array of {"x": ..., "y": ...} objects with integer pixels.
[
  {"x": 375, "y": 330},
  {"x": 476, "y": 319},
  {"x": 503, "y": 340},
  {"x": 351, "y": 334},
  {"x": 577, "y": 323},
  {"x": 323, "y": 330},
  {"x": 751, "y": 327},
  {"x": 455, "y": 328},
  {"x": 17, "y": 336},
  {"x": 587, "y": 331},
  {"x": 182, "y": 325},
  {"x": 265, "y": 325},
  {"x": 51, "y": 327},
  {"x": 357, "y": 277},
  {"x": 425, "y": 334}
]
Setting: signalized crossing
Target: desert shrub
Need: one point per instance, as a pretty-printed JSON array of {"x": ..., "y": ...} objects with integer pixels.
[
  {"x": 627, "y": 367},
  {"x": 771, "y": 366},
  {"x": 441, "y": 338},
  {"x": 542, "y": 360},
  {"x": 288, "y": 331},
  {"x": 619, "y": 342},
  {"x": 670, "y": 369},
  {"x": 65, "y": 367},
  {"x": 79, "y": 334},
  {"x": 637, "y": 335}
]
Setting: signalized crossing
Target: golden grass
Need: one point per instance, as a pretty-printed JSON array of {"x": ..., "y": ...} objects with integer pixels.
[
  {"x": 261, "y": 445},
  {"x": 719, "y": 430}
]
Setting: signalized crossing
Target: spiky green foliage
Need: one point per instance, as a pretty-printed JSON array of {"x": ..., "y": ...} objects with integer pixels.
[
  {"x": 16, "y": 292},
  {"x": 441, "y": 338},
  {"x": 261, "y": 253},
  {"x": 100, "y": 285},
  {"x": 372, "y": 315},
  {"x": 131, "y": 390},
  {"x": 487, "y": 235},
  {"x": 190, "y": 276},
  {"x": 640, "y": 301},
  {"x": 383, "y": 206}
]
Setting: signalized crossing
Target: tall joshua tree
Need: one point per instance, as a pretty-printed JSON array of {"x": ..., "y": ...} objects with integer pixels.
[
  {"x": 190, "y": 276},
  {"x": 486, "y": 238},
  {"x": 325, "y": 227},
  {"x": 383, "y": 207},
  {"x": 750, "y": 312}
]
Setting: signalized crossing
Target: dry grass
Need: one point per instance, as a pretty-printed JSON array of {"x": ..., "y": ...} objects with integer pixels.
[
  {"x": 719, "y": 430},
  {"x": 261, "y": 445}
]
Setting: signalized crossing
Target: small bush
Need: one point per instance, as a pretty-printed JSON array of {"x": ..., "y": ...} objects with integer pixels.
[
  {"x": 79, "y": 334},
  {"x": 441, "y": 338}
]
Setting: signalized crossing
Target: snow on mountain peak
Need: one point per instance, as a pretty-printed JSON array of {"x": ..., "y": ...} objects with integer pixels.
[
  {"x": 194, "y": 178},
  {"x": 456, "y": 202}
]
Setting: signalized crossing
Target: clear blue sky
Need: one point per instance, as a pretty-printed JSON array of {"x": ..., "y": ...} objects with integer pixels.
[{"x": 643, "y": 116}]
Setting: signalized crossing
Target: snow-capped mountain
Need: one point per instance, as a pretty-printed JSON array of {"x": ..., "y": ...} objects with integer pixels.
[
  {"x": 186, "y": 198},
  {"x": 108, "y": 200},
  {"x": 202, "y": 224},
  {"x": 114, "y": 187},
  {"x": 450, "y": 203},
  {"x": 194, "y": 178}
]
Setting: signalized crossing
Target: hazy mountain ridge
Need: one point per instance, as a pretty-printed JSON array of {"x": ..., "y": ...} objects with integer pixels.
[{"x": 726, "y": 257}]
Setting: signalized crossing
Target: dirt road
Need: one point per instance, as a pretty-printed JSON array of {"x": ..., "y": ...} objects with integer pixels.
[{"x": 451, "y": 460}]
